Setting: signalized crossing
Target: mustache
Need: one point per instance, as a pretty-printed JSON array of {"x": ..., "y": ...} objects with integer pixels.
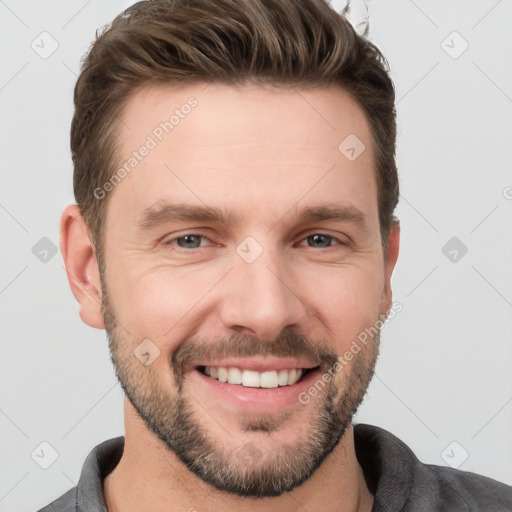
[{"x": 289, "y": 344}]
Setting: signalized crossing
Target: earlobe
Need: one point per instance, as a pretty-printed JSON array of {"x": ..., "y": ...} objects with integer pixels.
[
  {"x": 81, "y": 266},
  {"x": 393, "y": 246}
]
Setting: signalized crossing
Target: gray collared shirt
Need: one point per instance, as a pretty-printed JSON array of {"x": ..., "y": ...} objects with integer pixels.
[{"x": 397, "y": 479}]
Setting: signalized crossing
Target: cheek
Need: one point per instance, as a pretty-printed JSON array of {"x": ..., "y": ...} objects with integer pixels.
[
  {"x": 166, "y": 304},
  {"x": 162, "y": 303},
  {"x": 347, "y": 299}
]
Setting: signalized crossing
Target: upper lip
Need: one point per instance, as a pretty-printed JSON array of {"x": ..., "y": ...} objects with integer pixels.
[{"x": 258, "y": 363}]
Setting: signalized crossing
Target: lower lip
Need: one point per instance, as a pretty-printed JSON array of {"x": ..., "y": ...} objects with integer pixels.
[{"x": 249, "y": 399}]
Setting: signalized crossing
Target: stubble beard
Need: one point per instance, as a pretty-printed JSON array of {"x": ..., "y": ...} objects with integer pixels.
[{"x": 247, "y": 471}]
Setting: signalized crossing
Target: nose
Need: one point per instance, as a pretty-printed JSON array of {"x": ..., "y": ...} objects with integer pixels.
[{"x": 260, "y": 298}]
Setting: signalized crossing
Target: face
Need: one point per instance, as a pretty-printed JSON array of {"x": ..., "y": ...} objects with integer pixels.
[{"x": 242, "y": 259}]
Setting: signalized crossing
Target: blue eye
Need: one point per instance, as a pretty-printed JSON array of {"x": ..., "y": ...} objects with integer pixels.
[
  {"x": 189, "y": 241},
  {"x": 322, "y": 240},
  {"x": 319, "y": 240},
  {"x": 198, "y": 240}
]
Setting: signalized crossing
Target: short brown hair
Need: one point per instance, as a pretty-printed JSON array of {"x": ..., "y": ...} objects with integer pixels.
[{"x": 296, "y": 43}]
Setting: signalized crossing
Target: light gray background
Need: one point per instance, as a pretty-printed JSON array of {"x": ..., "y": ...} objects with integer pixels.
[{"x": 445, "y": 369}]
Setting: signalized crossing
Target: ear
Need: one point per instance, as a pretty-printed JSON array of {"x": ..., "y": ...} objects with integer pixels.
[
  {"x": 393, "y": 245},
  {"x": 81, "y": 265}
]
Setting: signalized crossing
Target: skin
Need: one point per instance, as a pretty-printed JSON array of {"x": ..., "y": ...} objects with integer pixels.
[{"x": 262, "y": 154}]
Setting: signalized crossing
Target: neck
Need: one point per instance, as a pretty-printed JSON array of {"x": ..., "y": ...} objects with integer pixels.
[{"x": 149, "y": 477}]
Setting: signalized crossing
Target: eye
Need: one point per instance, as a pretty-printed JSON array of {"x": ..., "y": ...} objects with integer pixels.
[
  {"x": 197, "y": 240},
  {"x": 321, "y": 241},
  {"x": 187, "y": 241}
]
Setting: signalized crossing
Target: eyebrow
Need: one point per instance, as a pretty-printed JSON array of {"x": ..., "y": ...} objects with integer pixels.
[{"x": 163, "y": 213}]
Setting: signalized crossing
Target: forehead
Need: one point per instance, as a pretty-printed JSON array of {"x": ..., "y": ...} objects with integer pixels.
[
  {"x": 216, "y": 143},
  {"x": 313, "y": 116}
]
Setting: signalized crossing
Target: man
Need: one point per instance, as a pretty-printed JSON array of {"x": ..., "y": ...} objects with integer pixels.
[{"x": 215, "y": 144}]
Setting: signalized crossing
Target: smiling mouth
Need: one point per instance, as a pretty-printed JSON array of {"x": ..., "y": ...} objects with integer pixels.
[{"x": 254, "y": 379}]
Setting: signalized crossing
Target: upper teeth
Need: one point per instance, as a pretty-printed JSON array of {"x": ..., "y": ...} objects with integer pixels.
[{"x": 252, "y": 379}]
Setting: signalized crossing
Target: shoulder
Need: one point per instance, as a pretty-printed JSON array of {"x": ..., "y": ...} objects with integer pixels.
[
  {"x": 87, "y": 496},
  {"x": 66, "y": 503},
  {"x": 400, "y": 481},
  {"x": 477, "y": 492}
]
